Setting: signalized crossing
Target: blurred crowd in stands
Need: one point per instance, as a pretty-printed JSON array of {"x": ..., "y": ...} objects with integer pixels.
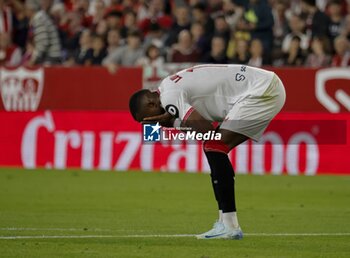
[{"x": 113, "y": 33}]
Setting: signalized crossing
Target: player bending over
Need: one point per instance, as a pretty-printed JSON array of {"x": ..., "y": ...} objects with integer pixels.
[{"x": 243, "y": 99}]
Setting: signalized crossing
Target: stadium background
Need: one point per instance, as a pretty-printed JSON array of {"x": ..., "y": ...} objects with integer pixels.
[
  {"x": 67, "y": 69},
  {"x": 66, "y": 112}
]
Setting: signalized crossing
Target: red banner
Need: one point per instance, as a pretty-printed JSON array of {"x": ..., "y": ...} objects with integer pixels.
[
  {"x": 59, "y": 88},
  {"x": 294, "y": 144}
]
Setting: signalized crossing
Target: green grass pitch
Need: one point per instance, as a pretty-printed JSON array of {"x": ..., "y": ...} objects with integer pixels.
[{"x": 112, "y": 214}]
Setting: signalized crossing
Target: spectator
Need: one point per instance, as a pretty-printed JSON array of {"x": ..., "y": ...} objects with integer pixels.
[
  {"x": 156, "y": 13},
  {"x": 319, "y": 56},
  {"x": 342, "y": 52},
  {"x": 232, "y": 12},
  {"x": 317, "y": 22},
  {"x": 258, "y": 20},
  {"x": 46, "y": 5},
  {"x": 184, "y": 50},
  {"x": 10, "y": 54},
  {"x": 280, "y": 28},
  {"x": 152, "y": 58},
  {"x": 19, "y": 24},
  {"x": 296, "y": 25},
  {"x": 256, "y": 51},
  {"x": 142, "y": 11},
  {"x": 241, "y": 56},
  {"x": 57, "y": 13},
  {"x": 222, "y": 28},
  {"x": 336, "y": 18},
  {"x": 47, "y": 46},
  {"x": 182, "y": 22},
  {"x": 155, "y": 36},
  {"x": 130, "y": 23},
  {"x": 82, "y": 7},
  {"x": 113, "y": 41},
  {"x": 97, "y": 11},
  {"x": 97, "y": 53},
  {"x": 232, "y": 44},
  {"x": 199, "y": 15},
  {"x": 101, "y": 28},
  {"x": 200, "y": 40},
  {"x": 114, "y": 20},
  {"x": 126, "y": 55},
  {"x": 70, "y": 31},
  {"x": 13, "y": 20},
  {"x": 217, "y": 54},
  {"x": 295, "y": 56},
  {"x": 80, "y": 56},
  {"x": 214, "y": 7},
  {"x": 345, "y": 31},
  {"x": 264, "y": 20}
]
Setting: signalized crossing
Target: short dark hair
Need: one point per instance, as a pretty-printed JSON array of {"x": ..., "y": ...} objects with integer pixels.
[
  {"x": 337, "y": 2},
  {"x": 199, "y": 6},
  {"x": 295, "y": 37},
  {"x": 114, "y": 13},
  {"x": 134, "y": 33},
  {"x": 135, "y": 102},
  {"x": 310, "y": 2}
]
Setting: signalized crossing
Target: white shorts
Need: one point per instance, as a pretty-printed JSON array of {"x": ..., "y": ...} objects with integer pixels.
[{"x": 252, "y": 115}]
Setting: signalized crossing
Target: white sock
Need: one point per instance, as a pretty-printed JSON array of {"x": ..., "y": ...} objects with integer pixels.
[
  {"x": 220, "y": 217},
  {"x": 230, "y": 219}
]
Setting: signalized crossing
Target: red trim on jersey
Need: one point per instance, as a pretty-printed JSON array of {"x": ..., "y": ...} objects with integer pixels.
[
  {"x": 216, "y": 146},
  {"x": 204, "y": 66},
  {"x": 188, "y": 113}
]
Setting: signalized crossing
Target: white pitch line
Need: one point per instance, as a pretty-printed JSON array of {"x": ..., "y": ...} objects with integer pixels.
[
  {"x": 95, "y": 236},
  {"x": 297, "y": 234},
  {"x": 56, "y": 229},
  {"x": 167, "y": 236}
]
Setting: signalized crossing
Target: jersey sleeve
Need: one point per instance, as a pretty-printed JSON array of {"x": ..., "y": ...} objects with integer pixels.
[{"x": 175, "y": 102}]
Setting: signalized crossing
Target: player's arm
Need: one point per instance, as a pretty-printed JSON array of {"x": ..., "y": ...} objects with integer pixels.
[{"x": 180, "y": 113}]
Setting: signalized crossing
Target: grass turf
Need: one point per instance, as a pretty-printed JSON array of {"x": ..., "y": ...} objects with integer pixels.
[{"x": 70, "y": 203}]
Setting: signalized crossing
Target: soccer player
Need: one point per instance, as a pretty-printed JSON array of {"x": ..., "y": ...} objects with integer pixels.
[{"x": 242, "y": 99}]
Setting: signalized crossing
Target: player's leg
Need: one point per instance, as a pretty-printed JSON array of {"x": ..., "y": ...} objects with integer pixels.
[
  {"x": 247, "y": 119},
  {"x": 222, "y": 177},
  {"x": 223, "y": 171},
  {"x": 231, "y": 141}
]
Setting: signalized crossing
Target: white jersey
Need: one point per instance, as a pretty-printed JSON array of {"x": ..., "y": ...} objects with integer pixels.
[{"x": 212, "y": 90}]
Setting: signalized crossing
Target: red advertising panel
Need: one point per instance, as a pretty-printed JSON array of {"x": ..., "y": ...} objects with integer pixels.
[
  {"x": 294, "y": 144},
  {"x": 311, "y": 90},
  {"x": 60, "y": 88}
]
